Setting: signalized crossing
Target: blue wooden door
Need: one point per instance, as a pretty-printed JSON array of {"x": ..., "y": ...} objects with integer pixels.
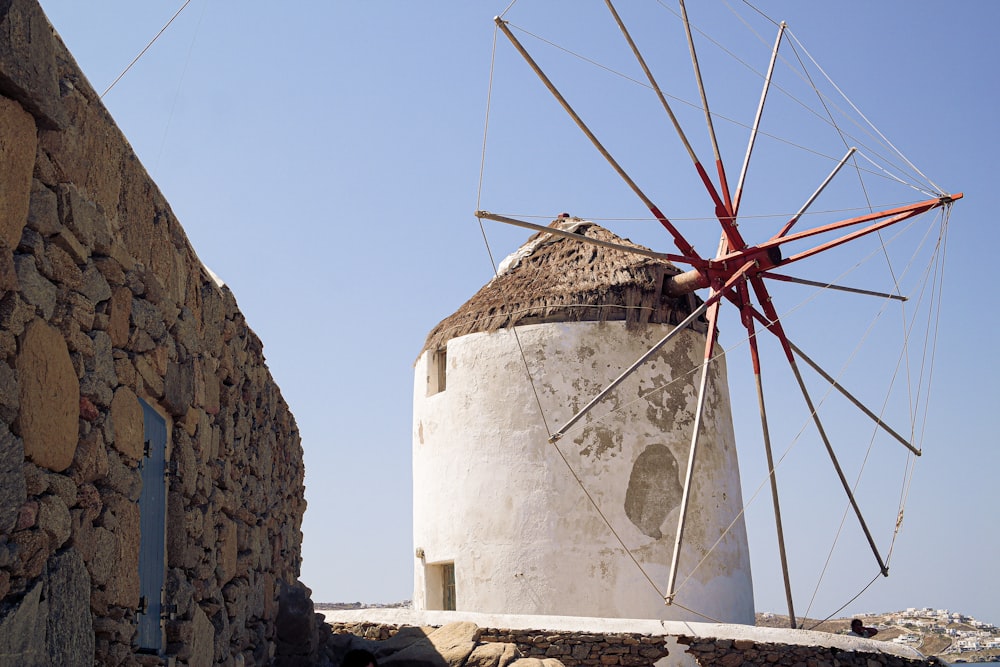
[{"x": 152, "y": 526}]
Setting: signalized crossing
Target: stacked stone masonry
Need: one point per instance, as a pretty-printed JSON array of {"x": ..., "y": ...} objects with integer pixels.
[
  {"x": 574, "y": 649},
  {"x": 103, "y": 302}
]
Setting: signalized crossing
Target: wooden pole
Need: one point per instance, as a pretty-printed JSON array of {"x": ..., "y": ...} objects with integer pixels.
[
  {"x": 555, "y": 231},
  {"x": 756, "y": 121},
  {"x": 723, "y": 185},
  {"x": 841, "y": 288},
  {"x": 795, "y": 218},
  {"x": 681, "y": 243},
  {"x": 710, "y": 338}
]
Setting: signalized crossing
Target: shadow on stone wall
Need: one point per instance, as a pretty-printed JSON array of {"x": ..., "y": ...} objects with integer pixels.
[{"x": 452, "y": 645}]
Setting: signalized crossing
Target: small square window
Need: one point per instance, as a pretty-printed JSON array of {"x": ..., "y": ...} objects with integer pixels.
[
  {"x": 437, "y": 371},
  {"x": 440, "y": 582}
]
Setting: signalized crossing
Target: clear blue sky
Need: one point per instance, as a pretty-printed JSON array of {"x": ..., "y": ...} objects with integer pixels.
[{"x": 324, "y": 160}]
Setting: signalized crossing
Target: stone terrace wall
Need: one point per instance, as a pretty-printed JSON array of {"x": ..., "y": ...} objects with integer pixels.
[
  {"x": 576, "y": 649},
  {"x": 103, "y": 300}
]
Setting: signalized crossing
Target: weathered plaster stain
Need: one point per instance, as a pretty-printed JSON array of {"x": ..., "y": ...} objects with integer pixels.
[
  {"x": 654, "y": 489},
  {"x": 600, "y": 440},
  {"x": 665, "y": 408}
]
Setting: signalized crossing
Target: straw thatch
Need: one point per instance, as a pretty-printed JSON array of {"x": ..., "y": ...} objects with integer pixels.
[{"x": 556, "y": 279}]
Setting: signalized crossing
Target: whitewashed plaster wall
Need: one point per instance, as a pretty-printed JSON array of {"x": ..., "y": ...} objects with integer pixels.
[{"x": 495, "y": 498}]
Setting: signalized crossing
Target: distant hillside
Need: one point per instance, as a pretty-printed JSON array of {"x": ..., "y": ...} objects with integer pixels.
[
  {"x": 952, "y": 636},
  {"x": 405, "y": 604}
]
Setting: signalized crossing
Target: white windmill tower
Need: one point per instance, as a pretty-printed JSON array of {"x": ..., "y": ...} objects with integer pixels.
[{"x": 506, "y": 521}]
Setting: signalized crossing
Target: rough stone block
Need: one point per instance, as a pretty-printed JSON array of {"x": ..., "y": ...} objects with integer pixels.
[
  {"x": 493, "y": 655},
  {"x": 187, "y": 463},
  {"x": 125, "y": 372},
  {"x": 178, "y": 391},
  {"x": 28, "y": 54},
  {"x": 189, "y": 423},
  {"x": 151, "y": 380},
  {"x": 9, "y": 394},
  {"x": 77, "y": 308},
  {"x": 101, "y": 562},
  {"x": 14, "y": 313},
  {"x": 111, "y": 269},
  {"x": 43, "y": 210},
  {"x": 33, "y": 551},
  {"x": 126, "y": 417},
  {"x": 448, "y": 645},
  {"x": 12, "y": 485},
  {"x": 180, "y": 553},
  {"x": 203, "y": 640},
  {"x": 223, "y": 632},
  {"x": 731, "y": 660},
  {"x": 84, "y": 219},
  {"x": 227, "y": 550},
  {"x": 27, "y": 515},
  {"x": 89, "y": 500},
  {"x": 22, "y": 631},
  {"x": 69, "y": 635},
  {"x": 62, "y": 268},
  {"x": 119, "y": 313},
  {"x": 269, "y": 591},
  {"x": 18, "y": 140},
  {"x": 66, "y": 240},
  {"x": 94, "y": 286},
  {"x": 62, "y": 486},
  {"x": 185, "y": 332},
  {"x": 32, "y": 243},
  {"x": 100, "y": 367},
  {"x": 36, "y": 481},
  {"x": 8, "y": 271},
  {"x": 123, "y": 477},
  {"x": 54, "y": 520},
  {"x": 79, "y": 342},
  {"x": 35, "y": 288},
  {"x": 49, "y": 397},
  {"x": 123, "y": 587},
  {"x": 90, "y": 462}
]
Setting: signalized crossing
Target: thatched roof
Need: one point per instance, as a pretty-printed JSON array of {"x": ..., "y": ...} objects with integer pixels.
[{"x": 556, "y": 279}]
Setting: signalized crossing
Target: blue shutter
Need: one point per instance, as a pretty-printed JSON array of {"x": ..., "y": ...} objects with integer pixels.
[{"x": 152, "y": 526}]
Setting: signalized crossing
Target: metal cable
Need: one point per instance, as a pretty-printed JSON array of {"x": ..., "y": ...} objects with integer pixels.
[
  {"x": 524, "y": 361},
  {"x": 141, "y": 53}
]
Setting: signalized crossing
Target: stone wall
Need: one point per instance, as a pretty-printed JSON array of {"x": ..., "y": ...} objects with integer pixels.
[
  {"x": 575, "y": 649},
  {"x": 103, "y": 302}
]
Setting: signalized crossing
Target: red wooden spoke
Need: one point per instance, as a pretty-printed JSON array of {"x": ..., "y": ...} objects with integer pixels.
[
  {"x": 746, "y": 315},
  {"x": 767, "y": 255}
]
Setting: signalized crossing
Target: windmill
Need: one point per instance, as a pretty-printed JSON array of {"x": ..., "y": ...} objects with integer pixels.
[{"x": 751, "y": 263}]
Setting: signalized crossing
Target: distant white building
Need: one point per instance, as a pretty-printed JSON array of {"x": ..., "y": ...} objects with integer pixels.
[{"x": 969, "y": 645}]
